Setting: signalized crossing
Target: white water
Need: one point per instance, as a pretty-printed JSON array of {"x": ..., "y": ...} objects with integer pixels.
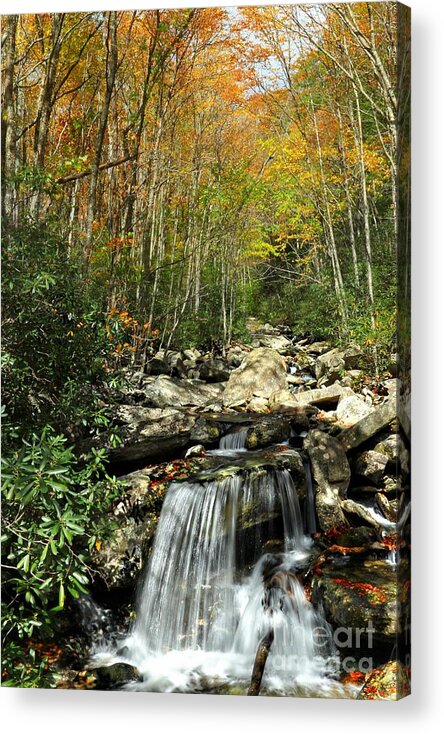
[
  {"x": 200, "y": 617},
  {"x": 234, "y": 441}
]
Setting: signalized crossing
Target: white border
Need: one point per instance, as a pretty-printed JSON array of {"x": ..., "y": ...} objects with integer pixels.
[{"x": 81, "y": 712}]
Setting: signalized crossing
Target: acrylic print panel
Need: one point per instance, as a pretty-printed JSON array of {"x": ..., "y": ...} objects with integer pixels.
[{"x": 206, "y": 350}]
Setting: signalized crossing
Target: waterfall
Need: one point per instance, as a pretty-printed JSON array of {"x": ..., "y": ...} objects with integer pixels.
[
  {"x": 201, "y": 613},
  {"x": 235, "y": 440}
]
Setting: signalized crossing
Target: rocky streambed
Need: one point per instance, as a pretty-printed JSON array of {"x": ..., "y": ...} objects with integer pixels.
[{"x": 281, "y": 404}]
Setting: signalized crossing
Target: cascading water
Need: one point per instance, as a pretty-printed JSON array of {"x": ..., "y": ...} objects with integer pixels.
[
  {"x": 200, "y": 616},
  {"x": 234, "y": 441}
]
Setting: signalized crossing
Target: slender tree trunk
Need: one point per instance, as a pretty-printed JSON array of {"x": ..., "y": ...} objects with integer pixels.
[
  {"x": 8, "y": 141},
  {"x": 349, "y": 200},
  {"x": 365, "y": 205},
  {"x": 110, "y": 72}
]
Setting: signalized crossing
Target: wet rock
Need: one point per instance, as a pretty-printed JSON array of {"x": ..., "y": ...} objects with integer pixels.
[
  {"x": 205, "y": 431},
  {"x": 390, "y": 509},
  {"x": 120, "y": 558},
  {"x": 368, "y": 426},
  {"x": 369, "y": 591},
  {"x": 114, "y": 676},
  {"x": 262, "y": 372},
  {"x": 359, "y": 537},
  {"x": 350, "y": 507},
  {"x": 273, "y": 429},
  {"x": 371, "y": 466},
  {"x": 351, "y": 409},
  {"x": 390, "y": 681},
  {"x": 197, "y": 450},
  {"x": 331, "y": 477}
]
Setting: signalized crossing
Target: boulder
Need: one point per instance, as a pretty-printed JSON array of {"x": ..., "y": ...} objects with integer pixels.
[
  {"x": 159, "y": 364},
  {"x": 148, "y": 433},
  {"x": 371, "y": 466},
  {"x": 235, "y": 356},
  {"x": 350, "y": 507},
  {"x": 393, "y": 447},
  {"x": 258, "y": 405},
  {"x": 368, "y": 426},
  {"x": 273, "y": 429},
  {"x": 278, "y": 342},
  {"x": 281, "y": 400},
  {"x": 363, "y": 593},
  {"x": 331, "y": 477},
  {"x": 120, "y": 558},
  {"x": 318, "y": 348},
  {"x": 213, "y": 370},
  {"x": 109, "y": 677},
  {"x": 262, "y": 372},
  {"x": 351, "y": 409},
  {"x": 205, "y": 431},
  {"x": 330, "y": 366},
  {"x": 330, "y": 394},
  {"x": 359, "y": 537},
  {"x": 352, "y": 357},
  {"x": 165, "y": 391}
]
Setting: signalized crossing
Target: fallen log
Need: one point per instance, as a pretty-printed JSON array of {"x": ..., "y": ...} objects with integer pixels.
[{"x": 259, "y": 663}]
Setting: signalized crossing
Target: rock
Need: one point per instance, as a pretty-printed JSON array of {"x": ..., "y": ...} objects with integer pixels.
[
  {"x": 393, "y": 447},
  {"x": 295, "y": 380},
  {"x": 281, "y": 400},
  {"x": 192, "y": 354},
  {"x": 262, "y": 372},
  {"x": 235, "y": 356},
  {"x": 167, "y": 391},
  {"x": 330, "y": 366},
  {"x": 149, "y": 433},
  {"x": 176, "y": 365},
  {"x": 318, "y": 348},
  {"x": 197, "y": 450},
  {"x": 355, "y": 508},
  {"x": 267, "y": 431},
  {"x": 368, "y": 426},
  {"x": 114, "y": 676},
  {"x": 329, "y": 394},
  {"x": 352, "y": 357},
  {"x": 371, "y": 466},
  {"x": 214, "y": 370},
  {"x": 351, "y": 409},
  {"x": 121, "y": 557},
  {"x": 278, "y": 342},
  {"x": 159, "y": 364},
  {"x": 390, "y": 681},
  {"x": 331, "y": 477},
  {"x": 258, "y": 405},
  {"x": 390, "y": 510},
  {"x": 364, "y": 592},
  {"x": 359, "y": 537},
  {"x": 205, "y": 431}
]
